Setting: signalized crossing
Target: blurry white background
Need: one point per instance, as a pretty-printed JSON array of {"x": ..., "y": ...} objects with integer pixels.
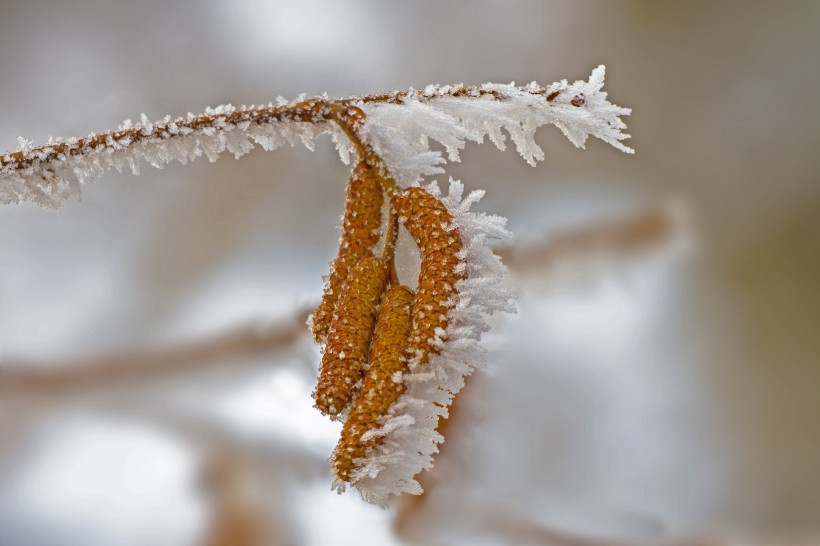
[{"x": 649, "y": 397}]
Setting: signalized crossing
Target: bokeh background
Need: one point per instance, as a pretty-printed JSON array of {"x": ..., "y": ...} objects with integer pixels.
[{"x": 658, "y": 386}]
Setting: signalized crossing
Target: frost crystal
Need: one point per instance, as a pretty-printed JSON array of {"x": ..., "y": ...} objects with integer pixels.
[
  {"x": 400, "y": 132},
  {"x": 398, "y": 126}
]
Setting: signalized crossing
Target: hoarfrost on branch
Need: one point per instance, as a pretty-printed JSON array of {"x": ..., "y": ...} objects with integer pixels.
[{"x": 399, "y": 127}]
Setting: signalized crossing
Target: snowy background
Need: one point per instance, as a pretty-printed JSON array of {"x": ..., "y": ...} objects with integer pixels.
[{"x": 666, "y": 398}]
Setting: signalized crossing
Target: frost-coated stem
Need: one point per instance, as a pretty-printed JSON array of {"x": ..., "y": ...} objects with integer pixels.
[
  {"x": 212, "y": 120},
  {"x": 317, "y": 111},
  {"x": 397, "y": 128}
]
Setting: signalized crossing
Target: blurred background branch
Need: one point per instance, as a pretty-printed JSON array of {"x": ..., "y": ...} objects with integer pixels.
[{"x": 149, "y": 364}]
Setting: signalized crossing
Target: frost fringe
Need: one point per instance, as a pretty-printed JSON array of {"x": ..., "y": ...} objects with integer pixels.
[
  {"x": 399, "y": 126},
  {"x": 409, "y": 431}
]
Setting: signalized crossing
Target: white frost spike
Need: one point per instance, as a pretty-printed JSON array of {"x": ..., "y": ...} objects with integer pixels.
[{"x": 406, "y": 449}]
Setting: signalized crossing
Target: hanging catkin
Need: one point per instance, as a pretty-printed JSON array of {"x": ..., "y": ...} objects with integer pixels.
[
  {"x": 382, "y": 384},
  {"x": 431, "y": 225},
  {"x": 360, "y": 233},
  {"x": 349, "y": 335}
]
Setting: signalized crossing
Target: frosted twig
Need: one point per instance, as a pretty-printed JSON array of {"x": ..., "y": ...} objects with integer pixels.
[{"x": 399, "y": 126}]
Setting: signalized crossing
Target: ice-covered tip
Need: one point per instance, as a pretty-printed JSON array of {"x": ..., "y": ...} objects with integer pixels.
[
  {"x": 452, "y": 116},
  {"x": 582, "y": 109}
]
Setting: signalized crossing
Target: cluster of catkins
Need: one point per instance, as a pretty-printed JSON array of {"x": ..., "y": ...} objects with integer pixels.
[{"x": 371, "y": 326}]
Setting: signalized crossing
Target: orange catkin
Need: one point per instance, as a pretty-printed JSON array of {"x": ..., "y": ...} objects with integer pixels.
[
  {"x": 348, "y": 339},
  {"x": 360, "y": 233},
  {"x": 382, "y": 384},
  {"x": 431, "y": 225}
]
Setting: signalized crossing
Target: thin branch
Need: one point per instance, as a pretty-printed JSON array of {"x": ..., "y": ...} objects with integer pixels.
[
  {"x": 390, "y": 130},
  {"x": 219, "y": 119},
  {"x": 318, "y": 110},
  {"x": 22, "y": 376},
  {"x": 619, "y": 238}
]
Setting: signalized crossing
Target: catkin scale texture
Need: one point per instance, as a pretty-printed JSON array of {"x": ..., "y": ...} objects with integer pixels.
[
  {"x": 382, "y": 385},
  {"x": 348, "y": 339},
  {"x": 361, "y": 224},
  {"x": 431, "y": 225}
]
